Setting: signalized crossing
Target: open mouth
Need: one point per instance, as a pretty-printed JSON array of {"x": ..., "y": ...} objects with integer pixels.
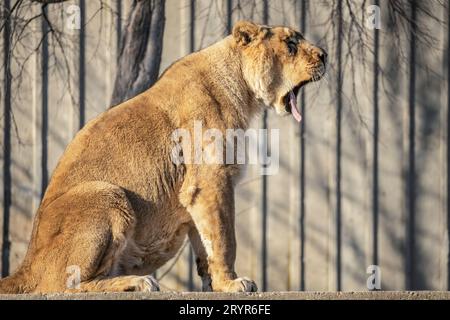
[
  {"x": 290, "y": 103},
  {"x": 290, "y": 99}
]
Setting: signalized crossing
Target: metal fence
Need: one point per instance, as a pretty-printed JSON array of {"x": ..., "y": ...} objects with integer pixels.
[{"x": 362, "y": 181}]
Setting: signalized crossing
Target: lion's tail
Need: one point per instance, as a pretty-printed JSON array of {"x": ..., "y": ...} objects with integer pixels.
[{"x": 10, "y": 284}]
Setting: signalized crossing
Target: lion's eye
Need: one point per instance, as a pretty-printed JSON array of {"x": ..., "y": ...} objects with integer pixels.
[{"x": 292, "y": 48}]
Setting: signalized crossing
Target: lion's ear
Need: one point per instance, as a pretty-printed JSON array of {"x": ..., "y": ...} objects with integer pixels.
[{"x": 244, "y": 32}]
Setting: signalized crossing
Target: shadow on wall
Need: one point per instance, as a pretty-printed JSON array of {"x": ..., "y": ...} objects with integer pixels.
[{"x": 409, "y": 244}]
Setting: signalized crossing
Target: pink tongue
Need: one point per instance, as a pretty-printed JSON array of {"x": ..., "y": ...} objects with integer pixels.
[{"x": 294, "y": 110}]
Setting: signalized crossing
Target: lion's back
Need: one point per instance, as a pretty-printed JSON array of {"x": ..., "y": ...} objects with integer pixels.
[{"x": 125, "y": 146}]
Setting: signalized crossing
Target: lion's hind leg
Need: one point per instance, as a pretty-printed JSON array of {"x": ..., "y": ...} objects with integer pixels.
[
  {"x": 80, "y": 239},
  {"x": 121, "y": 284}
]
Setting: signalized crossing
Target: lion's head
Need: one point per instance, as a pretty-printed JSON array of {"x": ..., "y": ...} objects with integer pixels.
[{"x": 276, "y": 63}]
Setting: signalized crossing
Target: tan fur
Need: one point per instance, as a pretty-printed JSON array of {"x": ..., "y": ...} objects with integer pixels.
[{"x": 117, "y": 206}]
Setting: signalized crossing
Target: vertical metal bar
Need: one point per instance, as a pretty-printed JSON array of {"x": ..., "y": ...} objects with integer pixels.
[
  {"x": 338, "y": 144},
  {"x": 229, "y": 11},
  {"x": 191, "y": 49},
  {"x": 411, "y": 170},
  {"x": 266, "y": 11},
  {"x": 44, "y": 101},
  {"x": 303, "y": 8},
  {"x": 6, "y": 139},
  {"x": 375, "y": 187},
  {"x": 192, "y": 29},
  {"x": 82, "y": 66},
  {"x": 119, "y": 26},
  {"x": 264, "y": 186},
  {"x": 447, "y": 61}
]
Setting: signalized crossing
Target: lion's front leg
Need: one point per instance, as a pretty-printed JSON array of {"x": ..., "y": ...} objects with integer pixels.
[
  {"x": 209, "y": 198},
  {"x": 201, "y": 259}
]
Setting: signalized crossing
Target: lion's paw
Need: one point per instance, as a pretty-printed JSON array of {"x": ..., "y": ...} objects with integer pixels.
[
  {"x": 145, "y": 284},
  {"x": 206, "y": 284},
  {"x": 239, "y": 285}
]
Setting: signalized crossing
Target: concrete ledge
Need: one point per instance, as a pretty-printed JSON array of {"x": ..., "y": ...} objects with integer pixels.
[{"x": 378, "y": 295}]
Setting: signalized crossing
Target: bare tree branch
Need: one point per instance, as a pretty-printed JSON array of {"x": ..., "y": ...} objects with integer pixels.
[
  {"x": 48, "y": 1},
  {"x": 142, "y": 37},
  {"x": 140, "y": 50}
]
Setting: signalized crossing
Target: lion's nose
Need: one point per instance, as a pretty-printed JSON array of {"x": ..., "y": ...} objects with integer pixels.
[
  {"x": 316, "y": 53},
  {"x": 322, "y": 55}
]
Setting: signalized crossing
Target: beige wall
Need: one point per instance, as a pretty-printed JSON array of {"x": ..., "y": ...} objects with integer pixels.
[{"x": 302, "y": 231}]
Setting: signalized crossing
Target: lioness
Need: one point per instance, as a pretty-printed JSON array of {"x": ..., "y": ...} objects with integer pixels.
[{"x": 117, "y": 206}]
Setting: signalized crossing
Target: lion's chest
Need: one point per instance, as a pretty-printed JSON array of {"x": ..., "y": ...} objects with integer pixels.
[
  {"x": 164, "y": 248},
  {"x": 156, "y": 241}
]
